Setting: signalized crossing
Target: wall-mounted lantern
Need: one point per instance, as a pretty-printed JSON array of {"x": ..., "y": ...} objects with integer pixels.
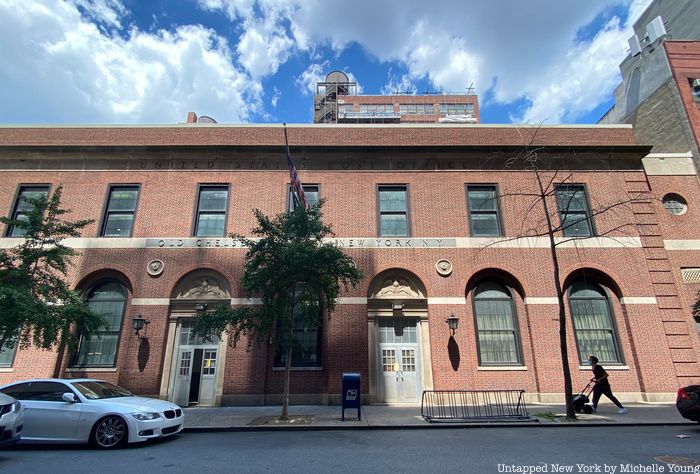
[
  {"x": 452, "y": 322},
  {"x": 139, "y": 323}
]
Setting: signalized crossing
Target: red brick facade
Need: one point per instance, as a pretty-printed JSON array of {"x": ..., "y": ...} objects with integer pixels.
[
  {"x": 648, "y": 299},
  {"x": 684, "y": 60}
]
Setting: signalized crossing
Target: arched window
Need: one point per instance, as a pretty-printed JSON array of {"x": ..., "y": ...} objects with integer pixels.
[
  {"x": 497, "y": 330},
  {"x": 100, "y": 349},
  {"x": 593, "y": 323}
]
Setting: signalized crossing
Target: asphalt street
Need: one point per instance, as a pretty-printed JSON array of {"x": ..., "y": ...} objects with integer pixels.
[{"x": 475, "y": 450}]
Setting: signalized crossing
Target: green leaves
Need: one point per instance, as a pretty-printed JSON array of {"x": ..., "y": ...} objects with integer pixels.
[
  {"x": 36, "y": 304},
  {"x": 292, "y": 270}
]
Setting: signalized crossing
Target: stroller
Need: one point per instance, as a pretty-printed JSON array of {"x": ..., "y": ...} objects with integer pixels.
[{"x": 581, "y": 400}]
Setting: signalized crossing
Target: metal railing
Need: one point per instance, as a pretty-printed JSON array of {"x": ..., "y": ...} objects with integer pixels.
[{"x": 474, "y": 405}]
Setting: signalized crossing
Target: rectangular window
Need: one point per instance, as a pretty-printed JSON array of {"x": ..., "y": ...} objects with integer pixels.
[
  {"x": 308, "y": 351},
  {"x": 311, "y": 191},
  {"x": 118, "y": 220},
  {"x": 695, "y": 88},
  {"x": 211, "y": 211},
  {"x": 376, "y": 108},
  {"x": 393, "y": 211},
  {"x": 99, "y": 349},
  {"x": 416, "y": 109},
  {"x": 456, "y": 109},
  {"x": 22, "y": 207},
  {"x": 574, "y": 210},
  {"x": 7, "y": 355},
  {"x": 484, "y": 215},
  {"x": 344, "y": 109}
]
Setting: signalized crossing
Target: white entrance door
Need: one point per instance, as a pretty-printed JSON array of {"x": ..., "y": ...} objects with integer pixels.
[
  {"x": 182, "y": 377},
  {"x": 399, "y": 360},
  {"x": 195, "y": 371}
]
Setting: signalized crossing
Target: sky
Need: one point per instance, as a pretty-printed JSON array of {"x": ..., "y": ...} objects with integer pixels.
[{"x": 257, "y": 61}]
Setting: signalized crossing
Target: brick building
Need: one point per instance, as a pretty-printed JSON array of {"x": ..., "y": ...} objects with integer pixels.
[
  {"x": 660, "y": 90},
  {"x": 337, "y": 101},
  {"x": 417, "y": 207}
]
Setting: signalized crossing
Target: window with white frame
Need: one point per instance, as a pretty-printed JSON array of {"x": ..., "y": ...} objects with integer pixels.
[
  {"x": 456, "y": 109},
  {"x": 593, "y": 323},
  {"x": 212, "y": 203},
  {"x": 393, "y": 211},
  {"x": 498, "y": 339},
  {"x": 100, "y": 348}
]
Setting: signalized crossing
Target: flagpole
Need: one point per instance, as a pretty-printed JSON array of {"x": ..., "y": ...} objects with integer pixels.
[{"x": 297, "y": 188}]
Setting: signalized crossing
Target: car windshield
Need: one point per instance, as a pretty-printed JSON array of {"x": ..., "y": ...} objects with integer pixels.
[{"x": 99, "y": 390}]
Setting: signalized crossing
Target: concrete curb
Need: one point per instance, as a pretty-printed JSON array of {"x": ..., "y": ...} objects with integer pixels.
[{"x": 431, "y": 426}]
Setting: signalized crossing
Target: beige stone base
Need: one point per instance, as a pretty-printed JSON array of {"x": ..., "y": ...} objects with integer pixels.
[
  {"x": 276, "y": 399},
  {"x": 334, "y": 399},
  {"x": 624, "y": 397}
]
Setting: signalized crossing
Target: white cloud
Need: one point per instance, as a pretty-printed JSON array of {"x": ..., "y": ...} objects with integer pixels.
[
  {"x": 358, "y": 85},
  {"x": 396, "y": 84},
  {"x": 84, "y": 61},
  {"x": 233, "y": 9},
  {"x": 262, "y": 48},
  {"x": 306, "y": 81},
  {"x": 585, "y": 78},
  {"x": 103, "y": 11},
  {"x": 517, "y": 50},
  {"x": 275, "y": 97},
  {"x": 64, "y": 68}
]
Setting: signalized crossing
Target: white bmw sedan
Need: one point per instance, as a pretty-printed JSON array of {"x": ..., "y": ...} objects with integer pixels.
[{"x": 88, "y": 410}]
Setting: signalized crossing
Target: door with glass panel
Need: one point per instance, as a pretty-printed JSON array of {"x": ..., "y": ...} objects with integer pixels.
[
  {"x": 195, "y": 371},
  {"x": 399, "y": 360}
]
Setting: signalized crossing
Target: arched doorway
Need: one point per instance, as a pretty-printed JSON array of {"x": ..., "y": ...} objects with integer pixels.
[
  {"x": 194, "y": 366},
  {"x": 399, "y": 339}
]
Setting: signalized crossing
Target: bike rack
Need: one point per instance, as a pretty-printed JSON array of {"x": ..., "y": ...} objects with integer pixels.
[{"x": 474, "y": 405}]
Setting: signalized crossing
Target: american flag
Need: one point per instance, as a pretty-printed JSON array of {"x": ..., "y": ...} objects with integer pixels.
[{"x": 298, "y": 189}]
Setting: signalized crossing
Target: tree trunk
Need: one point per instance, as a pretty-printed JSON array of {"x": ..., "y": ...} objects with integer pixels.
[
  {"x": 288, "y": 363},
  {"x": 570, "y": 413},
  {"x": 287, "y": 374}
]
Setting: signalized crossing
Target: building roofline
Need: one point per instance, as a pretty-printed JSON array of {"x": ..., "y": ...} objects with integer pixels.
[{"x": 309, "y": 125}]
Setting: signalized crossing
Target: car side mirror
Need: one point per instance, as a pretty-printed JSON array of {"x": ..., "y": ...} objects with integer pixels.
[{"x": 69, "y": 397}]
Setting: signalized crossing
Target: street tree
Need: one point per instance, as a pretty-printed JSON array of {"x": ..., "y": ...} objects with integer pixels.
[
  {"x": 557, "y": 209},
  {"x": 37, "y": 306},
  {"x": 297, "y": 276},
  {"x": 696, "y": 307}
]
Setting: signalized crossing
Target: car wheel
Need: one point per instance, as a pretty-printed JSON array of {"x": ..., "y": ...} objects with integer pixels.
[{"x": 110, "y": 432}]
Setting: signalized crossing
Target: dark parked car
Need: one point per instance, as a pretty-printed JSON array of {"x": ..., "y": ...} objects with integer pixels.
[{"x": 688, "y": 402}]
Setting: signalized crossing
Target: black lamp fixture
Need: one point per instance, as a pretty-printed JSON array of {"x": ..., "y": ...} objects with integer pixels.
[
  {"x": 200, "y": 306},
  {"x": 452, "y": 322},
  {"x": 397, "y": 309},
  {"x": 139, "y": 323}
]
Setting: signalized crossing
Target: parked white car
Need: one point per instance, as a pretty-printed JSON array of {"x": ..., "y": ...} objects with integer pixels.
[
  {"x": 11, "y": 420},
  {"x": 89, "y": 410}
]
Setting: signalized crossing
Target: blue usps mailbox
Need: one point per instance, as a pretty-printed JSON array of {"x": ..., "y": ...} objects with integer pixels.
[{"x": 352, "y": 395}]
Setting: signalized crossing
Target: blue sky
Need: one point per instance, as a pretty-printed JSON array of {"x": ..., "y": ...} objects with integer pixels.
[{"x": 257, "y": 61}]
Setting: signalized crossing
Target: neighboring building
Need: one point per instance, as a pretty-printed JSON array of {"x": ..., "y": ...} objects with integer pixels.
[
  {"x": 413, "y": 205},
  {"x": 660, "y": 89},
  {"x": 336, "y": 101}
]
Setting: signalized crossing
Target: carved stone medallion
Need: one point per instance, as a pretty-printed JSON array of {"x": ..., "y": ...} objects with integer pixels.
[
  {"x": 443, "y": 267},
  {"x": 155, "y": 267}
]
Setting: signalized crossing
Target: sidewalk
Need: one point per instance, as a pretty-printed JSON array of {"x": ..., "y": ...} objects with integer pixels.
[{"x": 324, "y": 417}]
